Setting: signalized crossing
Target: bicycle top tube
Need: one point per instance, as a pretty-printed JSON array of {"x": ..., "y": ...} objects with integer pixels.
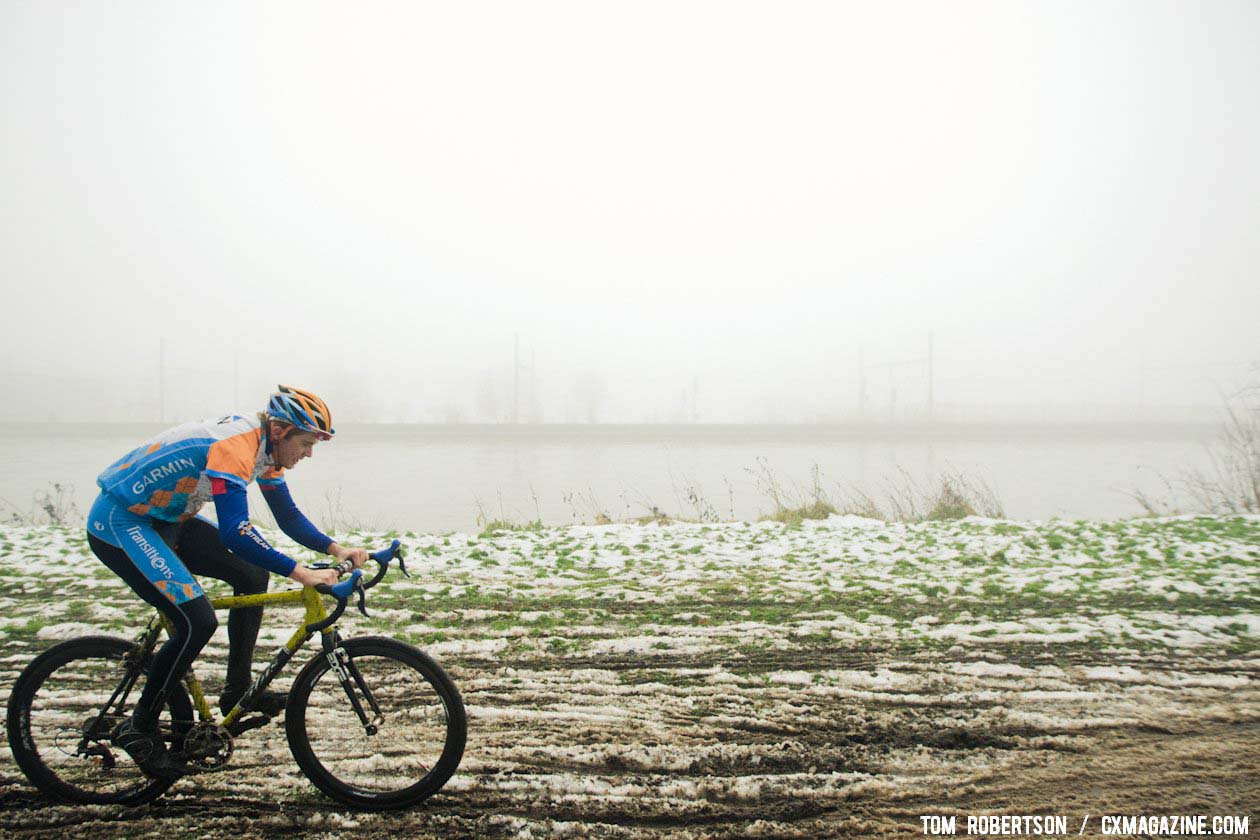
[
  {"x": 297, "y": 596},
  {"x": 262, "y": 599}
]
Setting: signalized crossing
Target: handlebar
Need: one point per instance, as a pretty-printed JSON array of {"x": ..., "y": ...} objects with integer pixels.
[
  {"x": 355, "y": 583},
  {"x": 343, "y": 589}
]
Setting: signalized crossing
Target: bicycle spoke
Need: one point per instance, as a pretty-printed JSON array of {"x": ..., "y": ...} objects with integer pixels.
[
  {"x": 70, "y": 700},
  {"x": 411, "y": 729},
  {"x": 71, "y": 703}
]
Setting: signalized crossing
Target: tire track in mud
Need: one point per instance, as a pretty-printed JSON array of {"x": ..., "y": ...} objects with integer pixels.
[
  {"x": 678, "y": 746},
  {"x": 1210, "y": 770},
  {"x": 526, "y": 773},
  {"x": 685, "y": 715}
]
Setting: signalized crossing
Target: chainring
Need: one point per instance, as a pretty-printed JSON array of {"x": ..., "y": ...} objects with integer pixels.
[{"x": 207, "y": 747}]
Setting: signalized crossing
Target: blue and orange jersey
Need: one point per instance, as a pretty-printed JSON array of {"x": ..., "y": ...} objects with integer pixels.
[{"x": 171, "y": 476}]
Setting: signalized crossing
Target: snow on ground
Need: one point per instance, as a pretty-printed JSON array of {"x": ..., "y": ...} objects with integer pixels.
[{"x": 690, "y": 678}]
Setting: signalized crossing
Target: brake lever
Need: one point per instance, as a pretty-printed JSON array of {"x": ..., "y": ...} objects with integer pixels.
[
  {"x": 402, "y": 566},
  {"x": 362, "y": 598}
]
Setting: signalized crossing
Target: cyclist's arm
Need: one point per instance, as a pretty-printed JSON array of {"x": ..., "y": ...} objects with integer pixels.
[
  {"x": 239, "y": 535},
  {"x": 291, "y": 520}
]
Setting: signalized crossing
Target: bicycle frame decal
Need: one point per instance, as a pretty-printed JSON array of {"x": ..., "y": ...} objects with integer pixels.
[
  {"x": 335, "y": 658},
  {"x": 264, "y": 679}
]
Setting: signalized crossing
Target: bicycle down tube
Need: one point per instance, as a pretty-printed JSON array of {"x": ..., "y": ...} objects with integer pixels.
[{"x": 315, "y": 612}]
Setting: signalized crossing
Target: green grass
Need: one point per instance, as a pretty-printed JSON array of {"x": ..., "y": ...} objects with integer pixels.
[
  {"x": 818, "y": 509},
  {"x": 777, "y": 577},
  {"x": 496, "y": 526}
]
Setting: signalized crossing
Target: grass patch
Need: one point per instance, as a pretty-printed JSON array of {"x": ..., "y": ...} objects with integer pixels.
[
  {"x": 795, "y": 516},
  {"x": 497, "y": 526}
]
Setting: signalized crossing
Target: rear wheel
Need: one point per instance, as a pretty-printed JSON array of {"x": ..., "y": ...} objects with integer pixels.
[
  {"x": 415, "y": 735},
  {"x": 61, "y": 713}
]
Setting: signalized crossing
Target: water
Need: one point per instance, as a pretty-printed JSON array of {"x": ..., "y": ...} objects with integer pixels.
[{"x": 438, "y": 478}]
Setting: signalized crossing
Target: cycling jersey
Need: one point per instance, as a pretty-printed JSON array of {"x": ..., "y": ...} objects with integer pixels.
[{"x": 171, "y": 477}]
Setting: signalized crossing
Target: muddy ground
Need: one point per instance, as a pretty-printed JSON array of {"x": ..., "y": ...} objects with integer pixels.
[{"x": 704, "y": 689}]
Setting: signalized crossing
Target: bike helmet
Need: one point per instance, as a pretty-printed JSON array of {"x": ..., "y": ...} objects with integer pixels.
[{"x": 301, "y": 409}]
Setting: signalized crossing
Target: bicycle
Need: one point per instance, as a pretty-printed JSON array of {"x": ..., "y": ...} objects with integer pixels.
[{"x": 373, "y": 722}]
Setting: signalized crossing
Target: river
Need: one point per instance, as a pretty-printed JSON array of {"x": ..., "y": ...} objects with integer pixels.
[{"x": 437, "y": 478}]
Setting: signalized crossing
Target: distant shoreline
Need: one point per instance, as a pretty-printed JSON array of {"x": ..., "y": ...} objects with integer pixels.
[{"x": 693, "y": 432}]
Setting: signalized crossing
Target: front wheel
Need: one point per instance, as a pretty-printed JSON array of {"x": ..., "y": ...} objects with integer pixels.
[
  {"x": 414, "y": 736},
  {"x": 62, "y": 710}
]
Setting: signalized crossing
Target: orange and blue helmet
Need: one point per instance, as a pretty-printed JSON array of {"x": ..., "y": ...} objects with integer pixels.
[{"x": 301, "y": 409}]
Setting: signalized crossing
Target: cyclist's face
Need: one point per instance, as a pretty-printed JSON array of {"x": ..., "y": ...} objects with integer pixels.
[{"x": 289, "y": 450}]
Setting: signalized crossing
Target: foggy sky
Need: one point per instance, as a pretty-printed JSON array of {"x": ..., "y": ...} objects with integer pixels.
[{"x": 685, "y": 210}]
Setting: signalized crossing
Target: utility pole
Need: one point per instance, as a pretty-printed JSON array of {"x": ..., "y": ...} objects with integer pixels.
[
  {"x": 931, "y": 378},
  {"x": 861, "y": 386},
  {"x": 516, "y": 376},
  {"x": 162, "y": 379},
  {"x": 1142, "y": 381}
]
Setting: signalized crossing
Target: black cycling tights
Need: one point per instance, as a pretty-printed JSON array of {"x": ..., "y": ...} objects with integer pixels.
[{"x": 197, "y": 543}]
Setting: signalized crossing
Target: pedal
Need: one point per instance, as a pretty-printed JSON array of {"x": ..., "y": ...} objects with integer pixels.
[{"x": 244, "y": 724}]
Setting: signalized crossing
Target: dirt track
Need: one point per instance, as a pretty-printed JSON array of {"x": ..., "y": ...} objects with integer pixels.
[
  {"x": 715, "y": 716},
  {"x": 625, "y": 755}
]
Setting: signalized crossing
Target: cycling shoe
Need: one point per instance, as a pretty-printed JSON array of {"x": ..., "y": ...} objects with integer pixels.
[{"x": 147, "y": 749}]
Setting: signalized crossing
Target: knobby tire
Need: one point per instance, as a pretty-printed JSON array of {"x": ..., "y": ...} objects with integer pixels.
[
  {"x": 58, "y": 698},
  {"x": 422, "y": 723}
]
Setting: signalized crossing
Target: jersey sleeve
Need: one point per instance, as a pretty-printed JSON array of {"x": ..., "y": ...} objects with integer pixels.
[
  {"x": 238, "y": 534},
  {"x": 291, "y": 520},
  {"x": 272, "y": 477}
]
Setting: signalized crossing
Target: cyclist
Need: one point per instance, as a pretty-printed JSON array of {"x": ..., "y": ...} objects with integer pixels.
[{"x": 144, "y": 527}]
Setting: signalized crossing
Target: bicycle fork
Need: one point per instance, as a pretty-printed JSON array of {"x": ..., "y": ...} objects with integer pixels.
[{"x": 340, "y": 663}]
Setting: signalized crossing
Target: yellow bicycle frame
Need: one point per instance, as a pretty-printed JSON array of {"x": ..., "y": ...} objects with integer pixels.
[{"x": 315, "y": 612}]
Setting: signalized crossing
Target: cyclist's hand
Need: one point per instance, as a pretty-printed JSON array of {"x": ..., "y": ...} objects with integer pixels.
[
  {"x": 357, "y": 556},
  {"x": 310, "y": 577}
]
